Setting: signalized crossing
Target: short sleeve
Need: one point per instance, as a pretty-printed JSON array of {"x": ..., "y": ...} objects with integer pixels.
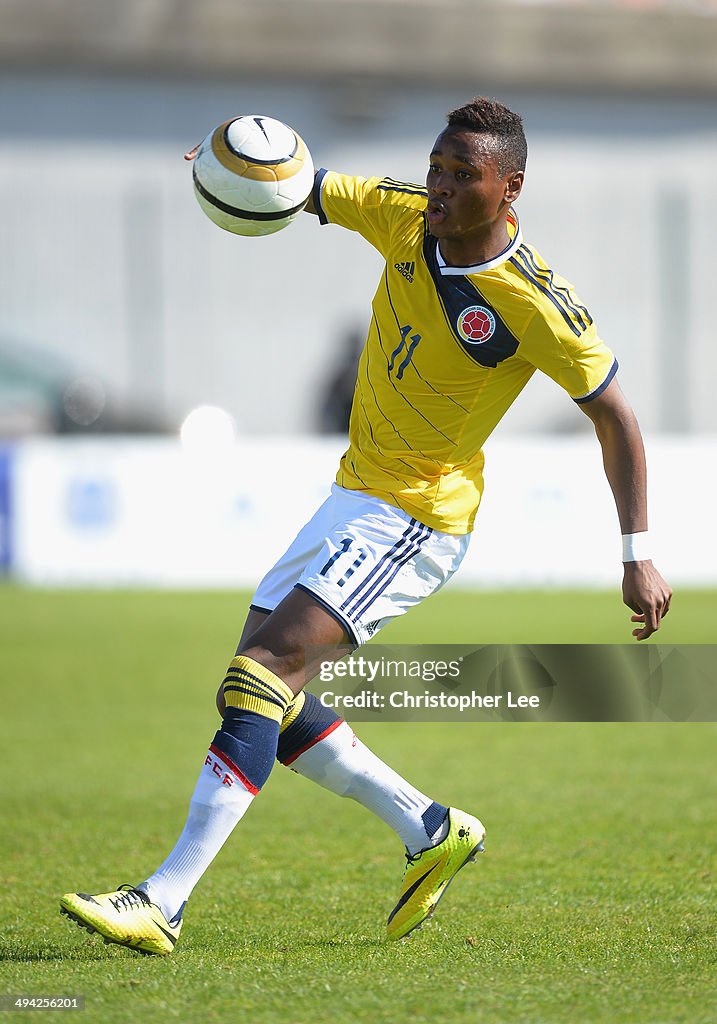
[
  {"x": 377, "y": 208},
  {"x": 564, "y": 344}
]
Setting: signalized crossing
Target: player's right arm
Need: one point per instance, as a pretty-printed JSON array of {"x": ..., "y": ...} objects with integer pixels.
[{"x": 376, "y": 208}]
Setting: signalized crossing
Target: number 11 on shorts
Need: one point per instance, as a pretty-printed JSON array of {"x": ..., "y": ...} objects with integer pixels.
[{"x": 343, "y": 550}]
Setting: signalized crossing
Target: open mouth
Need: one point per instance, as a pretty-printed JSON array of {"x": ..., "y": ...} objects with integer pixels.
[{"x": 436, "y": 212}]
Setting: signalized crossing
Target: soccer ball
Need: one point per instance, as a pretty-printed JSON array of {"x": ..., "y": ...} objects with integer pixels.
[{"x": 253, "y": 175}]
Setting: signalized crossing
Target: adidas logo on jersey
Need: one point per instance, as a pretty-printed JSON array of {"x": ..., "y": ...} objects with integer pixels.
[{"x": 406, "y": 270}]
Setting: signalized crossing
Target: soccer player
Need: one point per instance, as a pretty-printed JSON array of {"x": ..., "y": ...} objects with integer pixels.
[{"x": 464, "y": 313}]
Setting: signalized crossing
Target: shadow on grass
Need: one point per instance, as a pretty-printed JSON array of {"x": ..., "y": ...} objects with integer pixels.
[{"x": 22, "y": 951}]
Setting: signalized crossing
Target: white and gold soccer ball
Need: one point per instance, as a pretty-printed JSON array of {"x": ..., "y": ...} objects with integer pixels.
[{"x": 253, "y": 175}]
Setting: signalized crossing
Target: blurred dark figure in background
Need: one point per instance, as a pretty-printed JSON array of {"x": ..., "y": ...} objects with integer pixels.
[{"x": 338, "y": 389}]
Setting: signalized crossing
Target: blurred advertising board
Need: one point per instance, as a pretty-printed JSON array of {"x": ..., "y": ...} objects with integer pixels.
[
  {"x": 6, "y": 459},
  {"x": 113, "y": 512}
]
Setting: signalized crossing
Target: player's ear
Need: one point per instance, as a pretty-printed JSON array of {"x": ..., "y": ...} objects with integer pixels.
[{"x": 513, "y": 186}]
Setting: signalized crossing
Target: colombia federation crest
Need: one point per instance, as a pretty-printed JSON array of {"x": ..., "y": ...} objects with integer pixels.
[{"x": 476, "y": 324}]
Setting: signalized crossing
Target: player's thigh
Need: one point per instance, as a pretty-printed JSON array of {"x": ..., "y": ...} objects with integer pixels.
[{"x": 253, "y": 621}]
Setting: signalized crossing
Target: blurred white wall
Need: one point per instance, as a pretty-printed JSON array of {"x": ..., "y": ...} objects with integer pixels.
[{"x": 107, "y": 259}]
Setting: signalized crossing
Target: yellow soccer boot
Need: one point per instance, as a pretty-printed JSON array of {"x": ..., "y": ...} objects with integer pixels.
[
  {"x": 429, "y": 872},
  {"x": 125, "y": 917}
]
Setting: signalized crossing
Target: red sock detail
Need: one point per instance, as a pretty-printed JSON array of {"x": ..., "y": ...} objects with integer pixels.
[{"x": 233, "y": 768}]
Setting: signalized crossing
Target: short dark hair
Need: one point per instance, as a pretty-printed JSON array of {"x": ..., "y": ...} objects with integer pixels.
[{"x": 489, "y": 117}]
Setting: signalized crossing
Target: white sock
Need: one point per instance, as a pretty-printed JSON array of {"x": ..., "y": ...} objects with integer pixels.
[
  {"x": 341, "y": 763},
  {"x": 219, "y": 800}
]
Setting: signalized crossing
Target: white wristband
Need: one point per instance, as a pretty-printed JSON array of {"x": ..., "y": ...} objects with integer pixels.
[{"x": 635, "y": 547}]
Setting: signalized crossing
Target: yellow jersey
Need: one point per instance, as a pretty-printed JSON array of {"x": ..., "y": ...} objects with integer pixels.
[{"x": 448, "y": 351}]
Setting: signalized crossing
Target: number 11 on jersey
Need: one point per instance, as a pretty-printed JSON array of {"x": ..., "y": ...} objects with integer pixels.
[{"x": 410, "y": 349}]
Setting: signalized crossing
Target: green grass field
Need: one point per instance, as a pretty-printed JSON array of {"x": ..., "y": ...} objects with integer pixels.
[{"x": 595, "y": 900}]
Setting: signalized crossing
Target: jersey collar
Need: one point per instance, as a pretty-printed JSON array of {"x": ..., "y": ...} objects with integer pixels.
[{"x": 510, "y": 248}]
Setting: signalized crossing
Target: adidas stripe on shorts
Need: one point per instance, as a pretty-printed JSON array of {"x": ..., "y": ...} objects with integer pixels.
[{"x": 365, "y": 561}]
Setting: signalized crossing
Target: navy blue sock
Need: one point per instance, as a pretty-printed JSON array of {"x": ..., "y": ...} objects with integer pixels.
[
  {"x": 312, "y": 724},
  {"x": 249, "y": 740},
  {"x": 433, "y": 817}
]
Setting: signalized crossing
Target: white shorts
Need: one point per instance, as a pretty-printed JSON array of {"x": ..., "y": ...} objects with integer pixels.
[{"x": 365, "y": 561}]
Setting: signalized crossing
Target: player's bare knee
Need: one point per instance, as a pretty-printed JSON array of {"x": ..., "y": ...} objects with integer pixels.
[{"x": 284, "y": 660}]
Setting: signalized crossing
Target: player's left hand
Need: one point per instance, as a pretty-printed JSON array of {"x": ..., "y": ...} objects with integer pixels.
[
  {"x": 649, "y": 596},
  {"x": 192, "y": 152}
]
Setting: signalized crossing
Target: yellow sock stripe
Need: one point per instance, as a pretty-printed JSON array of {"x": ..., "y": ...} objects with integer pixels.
[
  {"x": 293, "y": 710},
  {"x": 251, "y": 687},
  {"x": 267, "y": 704},
  {"x": 243, "y": 682},
  {"x": 258, "y": 674}
]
